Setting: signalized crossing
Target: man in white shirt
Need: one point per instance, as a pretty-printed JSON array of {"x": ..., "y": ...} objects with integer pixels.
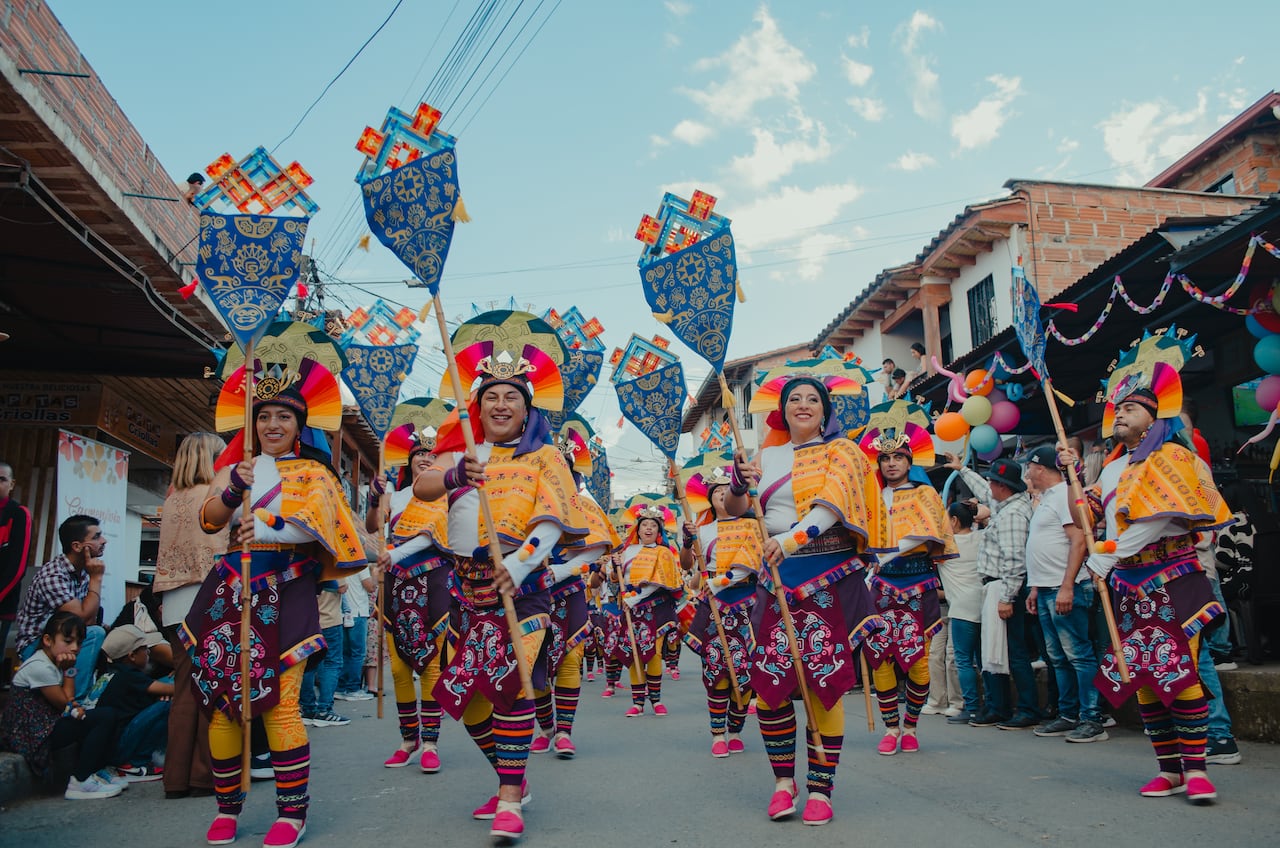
[{"x": 1061, "y": 597}]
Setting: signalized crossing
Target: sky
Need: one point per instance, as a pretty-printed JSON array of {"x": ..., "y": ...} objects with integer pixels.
[{"x": 839, "y": 137}]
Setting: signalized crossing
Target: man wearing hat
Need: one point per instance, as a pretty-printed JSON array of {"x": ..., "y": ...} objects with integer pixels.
[
  {"x": 1002, "y": 565},
  {"x": 141, "y": 702},
  {"x": 1061, "y": 597}
]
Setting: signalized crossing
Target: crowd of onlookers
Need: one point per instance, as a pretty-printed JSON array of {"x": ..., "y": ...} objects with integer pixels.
[{"x": 111, "y": 705}]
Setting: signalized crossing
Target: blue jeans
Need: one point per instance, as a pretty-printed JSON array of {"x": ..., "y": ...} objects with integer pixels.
[
  {"x": 1066, "y": 639},
  {"x": 965, "y": 636},
  {"x": 146, "y": 733},
  {"x": 320, "y": 680},
  {"x": 1023, "y": 677},
  {"x": 353, "y": 645},
  {"x": 1219, "y": 720},
  {"x": 86, "y": 660},
  {"x": 1217, "y": 637}
]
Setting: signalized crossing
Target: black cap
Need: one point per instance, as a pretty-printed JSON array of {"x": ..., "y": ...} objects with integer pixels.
[
  {"x": 1045, "y": 455},
  {"x": 1008, "y": 472}
]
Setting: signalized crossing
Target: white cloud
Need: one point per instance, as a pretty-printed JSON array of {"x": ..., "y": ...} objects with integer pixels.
[
  {"x": 670, "y": 40},
  {"x": 912, "y": 161},
  {"x": 787, "y": 222},
  {"x": 923, "y": 80},
  {"x": 658, "y": 141},
  {"x": 812, "y": 253},
  {"x": 1068, "y": 145},
  {"x": 759, "y": 66},
  {"x": 981, "y": 125},
  {"x": 686, "y": 188},
  {"x": 691, "y": 132},
  {"x": 861, "y": 38},
  {"x": 771, "y": 160},
  {"x": 857, "y": 73},
  {"x": 1143, "y": 139},
  {"x": 868, "y": 108},
  {"x": 678, "y": 9}
]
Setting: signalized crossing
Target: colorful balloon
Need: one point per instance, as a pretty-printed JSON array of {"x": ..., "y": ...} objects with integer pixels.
[
  {"x": 992, "y": 454},
  {"x": 977, "y": 409},
  {"x": 950, "y": 427},
  {"x": 1266, "y": 353},
  {"x": 1255, "y": 328},
  {"x": 996, "y": 395},
  {"x": 984, "y": 438},
  {"x": 1004, "y": 416},
  {"x": 1268, "y": 392},
  {"x": 1014, "y": 391},
  {"x": 976, "y": 382}
]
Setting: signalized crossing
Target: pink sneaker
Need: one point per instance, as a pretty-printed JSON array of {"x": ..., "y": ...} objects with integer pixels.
[
  {"x": 719, "y": 749},
  {"x": 782, "y": 804},
  {"x": 541, "y": 744},
  {"x": 751, "y": 708},
  {"x": 909, "y": 743},
  {"x": 285, "y": 833},
  {"x": 430, "y": 761},
  {"x": 564, "y": 747},
  {"x": 400, "y": 758},
  {"x": 591, "y": 677},
  {"x": 736, "y": 746},
  {"x": 1162, "y": 787},
  {"x": 489, "y": 808},
  {"x": 608, "y": 692},
  {"x": 888, "y": 745},
  {"x": 817, "y": 811},
  {"x": 222, "y": 831},
  {"x": 507, "y": 825},
  {"x": 675, "y": 674},
  {"x": 659, "y": 710},
  {"x": 1200, "y": 790},
  {"x": 635, "y": 710}
]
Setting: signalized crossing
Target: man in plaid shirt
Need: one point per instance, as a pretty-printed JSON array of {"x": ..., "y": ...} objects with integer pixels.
[
  {"x": 72, "y": 581},
  {"x": 1002, "y": 558}
]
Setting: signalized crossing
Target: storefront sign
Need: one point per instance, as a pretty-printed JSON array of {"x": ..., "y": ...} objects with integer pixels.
[
  {"x": 136, "y": 427},
  {"x": 38, "y": 402}
]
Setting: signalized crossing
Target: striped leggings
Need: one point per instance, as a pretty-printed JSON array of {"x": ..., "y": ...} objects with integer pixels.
[
  {"x": 778, "y": 730},
  {"x": 885, "y": 677},
  {"x": 1178, "y": 733},
  {"x": 418, "y": 719}
]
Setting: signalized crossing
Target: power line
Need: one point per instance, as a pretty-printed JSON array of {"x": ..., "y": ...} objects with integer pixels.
[{"x": 339, "y": 76}]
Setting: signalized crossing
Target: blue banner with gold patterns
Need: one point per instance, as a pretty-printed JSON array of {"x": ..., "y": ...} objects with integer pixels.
[
  {"x": 1026, "y": 322},
  {"x": 579, "y": 371},
  {"x": 693, "y": 290},
  {"x": 653, "y": 403},
  {"x": 852, "y": 411},
  {"x": 374, "y": 374},
  {"x": 411, "y": 211},
  {"x": 599, "y": 482},
  {"x": 248, "y": 263}
]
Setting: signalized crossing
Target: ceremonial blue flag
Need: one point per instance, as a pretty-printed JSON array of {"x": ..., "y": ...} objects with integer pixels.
[{"x": 653, "y": 403}]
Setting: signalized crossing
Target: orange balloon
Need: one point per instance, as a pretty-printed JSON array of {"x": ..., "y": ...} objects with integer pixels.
[
  {"x": 973, "y": 382},
  {"x": 950, "y": 427}
]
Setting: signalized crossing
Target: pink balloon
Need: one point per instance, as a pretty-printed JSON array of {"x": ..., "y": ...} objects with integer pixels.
[
  {"x": 1268, "y": 392},
  {"x": 1005, "y": 415}
]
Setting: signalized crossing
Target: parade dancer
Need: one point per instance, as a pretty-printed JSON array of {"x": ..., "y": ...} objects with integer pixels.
[
  {"x": 606, "y": 620},
  {"x": 734, "y": 553},
  {"x": 557, "y": 704},
  {"x": 821, "y": 501},
  {"x": 302, "y": 528},
  {"x": 914, "y": 535},
  {"x": 416, "y": 602},
  {"x": 651, "y": 589},
  {"x": 1157, "y": 497},
  {"x": 534, "y": 506}
]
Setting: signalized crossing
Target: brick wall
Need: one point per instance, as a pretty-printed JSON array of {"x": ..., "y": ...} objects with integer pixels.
[
  {"x": 32, "y": 37},
  {"x": 1254, "y": 161},
  {"x": 1074, "y": 228}
]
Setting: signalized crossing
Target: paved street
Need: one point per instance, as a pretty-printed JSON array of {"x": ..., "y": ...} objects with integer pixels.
[{"x": 653, "y": 782}]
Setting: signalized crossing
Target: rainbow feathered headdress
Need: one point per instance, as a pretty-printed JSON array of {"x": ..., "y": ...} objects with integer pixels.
[
  {"x": 1147, "y": 373},
  {"x": 309, "y": 389},
  {"x": 898, "y": 425},
  {"x": 415, "y": 427},
  {"x": 529, "y": 369}
]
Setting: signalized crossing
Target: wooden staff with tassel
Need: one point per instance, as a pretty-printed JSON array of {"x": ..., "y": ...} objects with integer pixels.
[
  {"x": 631, "y": 630},
  {"x": 246, "y": 575},
  {"x": 1086, "y": 524},
  {"x": 701, "y": 560},
  {"x": 486, "y": 511},
  {"x": 779, "y": 594},
  {"x": 382, "y": 584}
]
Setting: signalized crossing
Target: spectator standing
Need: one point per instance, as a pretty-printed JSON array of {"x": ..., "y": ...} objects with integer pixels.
[
  {"x": 42, "y": 714},
  {"x": 963, "y": 587},
  {"x": 320, "y": 681},
  {"x": 70, "y": 582},
  {"x": 1002, "y": 562},
  {"x": 1061, "y": 597},
  {"x": 355, "y": 631},
  {"x": 140, "y": 703},
  {"x": 15, "y": 548},
  {"x": 921, "y": 362},
  {"x": 186, "y": 555}
]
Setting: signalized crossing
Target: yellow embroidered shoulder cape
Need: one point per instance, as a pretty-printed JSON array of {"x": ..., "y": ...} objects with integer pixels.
[
  {"x": 1172, "y": 482},
  {"x": 524, "y": 490},
  {"x": 838, "y": 476},
  {"x": 310, "y": 499},
  {"x": 738, "y": 543},
  {"x": 655, "y": 564},
  {"x": 430, "y": 518},
  {"x": 918, "y": 513}
]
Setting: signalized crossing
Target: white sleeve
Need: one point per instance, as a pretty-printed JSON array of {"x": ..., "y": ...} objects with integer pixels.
[
  {"x": 546, "y": 534},
  {"x": 289, "y": 534},
  {"x": 573, "y": 565},
  {"x": 819, "y": 517},
  {"x": 404, "y": 550},
  {"x": 1135, "y": 537}
]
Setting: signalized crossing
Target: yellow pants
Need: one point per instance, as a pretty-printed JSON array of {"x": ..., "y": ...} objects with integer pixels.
[
  {"x": 402, "y": 674},
  {"x": 653, "y": 669},
  {"x": 283, "y": 721}
]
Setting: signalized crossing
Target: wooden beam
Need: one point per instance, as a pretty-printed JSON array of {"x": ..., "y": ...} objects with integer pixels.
[{"x": 897, "y": 316}]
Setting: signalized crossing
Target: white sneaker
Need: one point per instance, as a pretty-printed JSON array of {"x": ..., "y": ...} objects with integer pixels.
[
  {"x": 90, "y": 788},
  {"x": 951, "y": 712},
  {"x": 360, "y": 695},
  {"x": 930, "y": 709},
  {"x": 112, "y": 778}
]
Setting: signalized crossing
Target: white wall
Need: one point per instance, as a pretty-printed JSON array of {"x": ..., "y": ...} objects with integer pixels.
[{"x": 998, "y": 263}]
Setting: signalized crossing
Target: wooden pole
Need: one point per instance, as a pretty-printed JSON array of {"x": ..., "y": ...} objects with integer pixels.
[
  {"x": 711, "y": 599},
  {"x": 866, "y": 690},
  {"x": 779, "y": 594},
  {"x": 382, "y": 584},
  {"x": 246, "y": 574},
  {"x": 631, "y": 630},
  {"x": 1077, "y": 494},
  {"x": 486, "y": 512}
]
